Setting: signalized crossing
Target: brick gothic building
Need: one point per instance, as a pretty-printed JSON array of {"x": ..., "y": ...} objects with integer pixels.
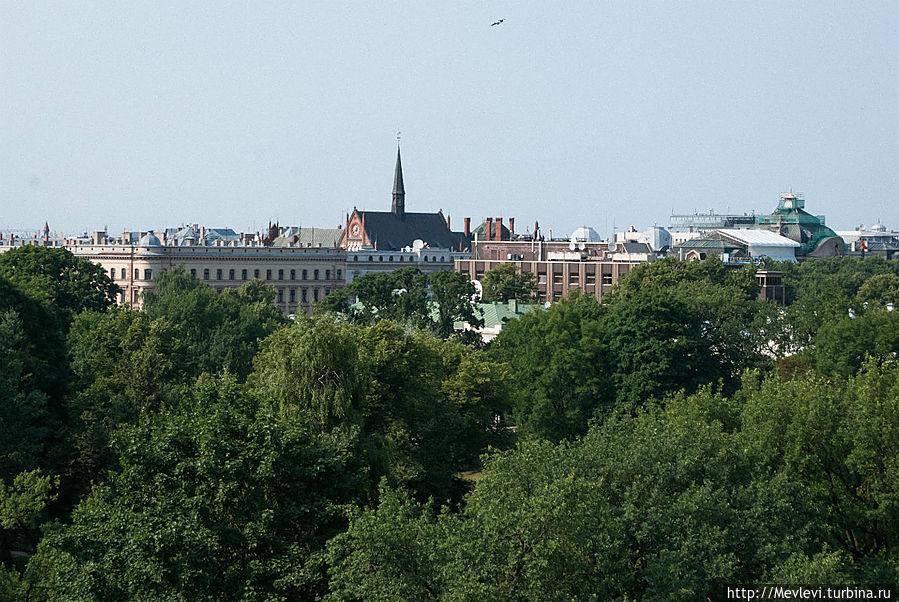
[{"x": 396, "y": 229}]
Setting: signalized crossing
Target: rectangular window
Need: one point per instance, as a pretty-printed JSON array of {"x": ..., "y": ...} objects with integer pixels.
[
  {"x": 148, "y": 274},
  {"x": 315, "y": 294},
  {"x": 255, "y": 273},
  {"x": 280, "y": 295},
  {"x": 218, "y": 274},
  {"x": 136, "y": 295},
  {"x": 591, "y": 278},
  {"x": 231, "y": 274},
  {"x": 339, "y": 274},
  {"x": 280, "y": 274},
  {"x": 206, "y": 274},
  {"x": 293, "y": 274},
  {"x": 243, "y": 274},
  {"x": 315, "y": 275},
  {"x": 304, "y": 295},
  {"x": 268, "y": 274},
  {"x": 293, "y": 295},
  {"x": 305, "y": 276},
  {"x": 123, "y": 274},
  {"x": 112, "y": 273},
  {"x": 327, "y": 274},
  {"x": 136, "y": 274},
  {"x": 574, "y": 279},
  {"x": 607, "y": 280},
  {"x": 557, "y": 278},
  {"x": 541, "y": 279},
  {"x": 193, "y": 272}
]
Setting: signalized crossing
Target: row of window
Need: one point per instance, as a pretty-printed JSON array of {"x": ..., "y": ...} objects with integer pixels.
[
  {"x": 232, "y": 274},
  {"x": 574, "y": 279},
  {"x": 402, "y": 258}
]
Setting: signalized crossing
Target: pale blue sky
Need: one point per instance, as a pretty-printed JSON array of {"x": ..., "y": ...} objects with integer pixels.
[{"x": 143, "y": 114}]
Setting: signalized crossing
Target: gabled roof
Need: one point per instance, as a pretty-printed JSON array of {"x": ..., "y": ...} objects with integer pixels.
[{"x": 388, "y": 232}]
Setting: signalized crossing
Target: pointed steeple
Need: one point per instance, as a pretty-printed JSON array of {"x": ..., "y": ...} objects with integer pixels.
[{"x": 399, "y": 192}]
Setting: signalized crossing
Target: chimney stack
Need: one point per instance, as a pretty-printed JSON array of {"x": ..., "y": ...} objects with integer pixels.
[
  {"x": 448, "y": 223},
  {"x": 511, "y": 227},
  {"x": 489, "y": 233},
  {"x": 499, "y": 228},
  {"x": 467, "y": 227}
]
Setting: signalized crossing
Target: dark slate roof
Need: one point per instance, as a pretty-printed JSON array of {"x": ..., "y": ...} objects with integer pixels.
[{"x": 389, "y": 233}]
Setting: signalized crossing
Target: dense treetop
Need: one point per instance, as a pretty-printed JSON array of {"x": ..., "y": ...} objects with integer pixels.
[{"x": 676, "y": 439}]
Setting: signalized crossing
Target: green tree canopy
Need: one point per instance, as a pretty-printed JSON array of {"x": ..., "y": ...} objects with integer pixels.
[
  {"x": 222, "y": 330},
  {"x": 218, "y": 500},
  {"x": 55, "y": 276},
  {"x": 504, "y": 281}
]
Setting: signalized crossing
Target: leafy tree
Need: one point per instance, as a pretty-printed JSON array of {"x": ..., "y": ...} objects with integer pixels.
[
  {"x": 841, "y": 347},
  {"x": 879, "y": 291},
  {"x": 123, "y": 363},
  {"x": 402, "y": 296},
  {"x": 661, "y": 506},
  {"x": 313, "y": 372},
  {"x": 560, "y": 367},
  {"x": 222, "y": 330},
  {"x": 217, "y": 500},
  {"x": 24, "y": 414},
  {"x": 64, "y": 282},
  {"x": 39, "y": 337},
  {"x": 504, "y": 282},
  {"x": 840, "y": 442},
  {"x": 453, "y": 293},
  {"x": 421, "y": 409}
]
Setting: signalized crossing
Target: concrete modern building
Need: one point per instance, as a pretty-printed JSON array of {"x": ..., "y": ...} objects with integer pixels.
[{"x": 557, "y": 278}]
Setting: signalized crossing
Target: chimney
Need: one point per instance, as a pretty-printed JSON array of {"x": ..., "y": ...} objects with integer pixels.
[
  {"x": 511, "y": 227},
  {"x": 467, "y": 227},
  {"x": 499, "y": 228},
  {"x": 489, "y": 233},
  {"x": 448, "y": 223}
]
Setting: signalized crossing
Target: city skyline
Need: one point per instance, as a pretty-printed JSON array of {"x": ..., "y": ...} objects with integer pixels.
[{"x": 601, "y": 115}]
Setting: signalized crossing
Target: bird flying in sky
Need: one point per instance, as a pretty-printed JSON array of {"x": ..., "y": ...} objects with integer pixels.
[{"x": 495, "y": 23}]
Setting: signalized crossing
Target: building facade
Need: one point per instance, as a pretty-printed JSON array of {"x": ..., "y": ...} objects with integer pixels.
[
  {"x": 301, "y": 276},
  {"x": 556, "y": 279}
]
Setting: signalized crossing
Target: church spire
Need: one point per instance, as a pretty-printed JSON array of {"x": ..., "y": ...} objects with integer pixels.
[{"x": 399, "y": 192}]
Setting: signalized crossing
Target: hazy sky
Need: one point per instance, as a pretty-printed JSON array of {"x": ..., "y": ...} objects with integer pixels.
[{"x": 141, "y": 115}]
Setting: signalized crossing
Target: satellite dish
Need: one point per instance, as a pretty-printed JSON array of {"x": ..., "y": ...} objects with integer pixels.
[
  {"x": 582, "y": 246},
  {"x": 613, "y": 246},
  {"x": 571, "y": 246}
]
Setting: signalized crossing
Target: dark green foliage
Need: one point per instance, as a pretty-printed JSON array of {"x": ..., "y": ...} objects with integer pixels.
[
  {"x": 123, "y": 363},
  {"x": 63, "y": 282},
  {"x": 560, "y": 367},
  {"x": 658, "y": 507},
  {"x": 840, "y": 347},
  {"x": 223, "y": 330},
  {"x": 842, "y": 442},
  {"x": 218, "y": 500},
  {"x": 423, "y": 409},
  {"x": 503, "y": 282},
  {"x": 402, "y": 296},
  {"x": 24, "y": 415}
]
